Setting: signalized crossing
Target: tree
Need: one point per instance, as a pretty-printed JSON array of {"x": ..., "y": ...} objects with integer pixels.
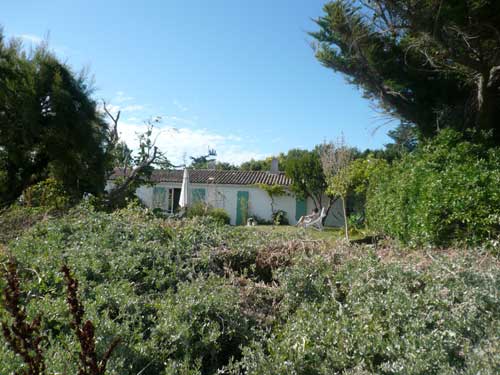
[
  {"x": 49, "y": 124},
  {"x": 132, "y": 170},
  {"x": 265, "y": 164},
  {"x": 203, "y": 161},
  {"x": 335, "y": 161},
  {"x": 431, "y": 63},
  {"x": 362, "y": 172},
  {"x": 308, "y": 180},
  {"x": 256, "y": 165}
]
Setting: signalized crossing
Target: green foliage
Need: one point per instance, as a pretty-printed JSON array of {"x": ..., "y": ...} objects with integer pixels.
[
  {"x": 128, "y": 263},
  {"x": 16, "y": 219},
  {"x": 447, "y": 190},
  {"x": 308, "y": 180},
  {"x": 201, "y": 324},
  {"x": 368, "y": 317},
  {"x": 264, "y": 165},
  {"x": 220, "y": 215},
  {"x": 200, "y": 209},
  {"x": 49, "y": 125},
  {"x": 422, "y": 61},
  {"x": 195, "y": 297},
  {"x": 280, "y": 218},
  {"x": 361, "y": 172},
  {"x": 272, "y": 190},
  {"x": 48, "y": 193}
]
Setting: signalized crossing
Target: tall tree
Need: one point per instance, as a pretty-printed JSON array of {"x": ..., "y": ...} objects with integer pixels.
[
  {"x": 49, "y": 125},
  {"x": 432, "y": 63}
]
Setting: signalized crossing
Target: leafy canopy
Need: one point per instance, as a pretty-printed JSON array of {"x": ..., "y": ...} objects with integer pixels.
[
  {"x": 308, "y": 179},
  {"x": 430, "y": 63},
  {"x": 49, "y": 125}
]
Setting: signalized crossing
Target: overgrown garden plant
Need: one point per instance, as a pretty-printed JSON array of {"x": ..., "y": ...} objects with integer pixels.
[
  {"x": 336, "y": 158},
  {"x": 26, "y": 338}
]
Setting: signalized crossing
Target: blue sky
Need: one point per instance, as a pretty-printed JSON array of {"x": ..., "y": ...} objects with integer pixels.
[{"x": 235, "y": 75}]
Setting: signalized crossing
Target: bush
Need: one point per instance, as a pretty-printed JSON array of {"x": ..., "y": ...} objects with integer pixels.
[
  {"x": 135, "y": 272},
  {"x": 444, "y": 192},
  {"x": 49, "y": 193},
  {"x": 368, "y": 317},
  {"x": 203, "y": 209},
  {"x": 16, "y": 219},
  {"x": 280, "y": 218},
  {"x": 194, "y": 297},
  {"x": 201, "y": 325},
  {"x": 220, "y": 215}
]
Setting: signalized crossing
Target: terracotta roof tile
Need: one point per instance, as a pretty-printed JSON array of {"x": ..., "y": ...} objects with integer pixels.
[{"x": 205, "y": 176}]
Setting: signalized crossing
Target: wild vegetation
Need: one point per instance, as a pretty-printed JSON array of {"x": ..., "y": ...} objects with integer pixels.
[
  {"x": 95, "y": 283},
  {"x": 198, "y": 297},
  {"x": 446, "y": 191}
]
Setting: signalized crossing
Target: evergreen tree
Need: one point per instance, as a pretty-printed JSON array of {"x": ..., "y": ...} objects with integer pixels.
[
  {"x": 431, "y": 63},
  {"x": 49, "y": 125}
]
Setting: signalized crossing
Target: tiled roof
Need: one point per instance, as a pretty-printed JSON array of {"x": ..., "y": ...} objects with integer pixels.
[{"x": 205, "y": 176}]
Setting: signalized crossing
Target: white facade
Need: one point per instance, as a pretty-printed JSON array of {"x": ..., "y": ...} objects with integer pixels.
[{"x": 226, "y": 197}]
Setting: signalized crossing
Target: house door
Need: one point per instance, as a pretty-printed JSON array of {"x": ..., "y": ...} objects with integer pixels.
[
  {"x": 300, "y": 208},
  {"x": 160, "y": 198},
  {"x": 241, "y": 207}
]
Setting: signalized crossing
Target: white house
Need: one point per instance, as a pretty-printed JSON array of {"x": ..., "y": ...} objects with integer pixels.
[{"x": 234, "y": 191}]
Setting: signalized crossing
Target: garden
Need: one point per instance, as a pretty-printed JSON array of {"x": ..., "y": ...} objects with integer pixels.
[{"x": 195, "y": 296}]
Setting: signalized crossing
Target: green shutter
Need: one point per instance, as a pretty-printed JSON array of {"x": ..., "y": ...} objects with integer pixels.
[
  {"x": 300, "y": 208},
  {"x": 197, "y": 195},
  {"x": 160, "y": 198},
  {"x": 241, "y": 207}
]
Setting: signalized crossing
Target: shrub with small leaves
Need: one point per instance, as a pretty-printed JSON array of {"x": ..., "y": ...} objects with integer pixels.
[{"x": 446, "y": 191}]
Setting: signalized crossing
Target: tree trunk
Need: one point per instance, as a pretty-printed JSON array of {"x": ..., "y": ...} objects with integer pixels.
[
  {"x": 345, "y": 219},
  {"x": 487, "y": 98}
]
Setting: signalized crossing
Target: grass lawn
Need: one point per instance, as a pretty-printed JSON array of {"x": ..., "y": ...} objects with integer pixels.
[{"x": 288, "y": 231}]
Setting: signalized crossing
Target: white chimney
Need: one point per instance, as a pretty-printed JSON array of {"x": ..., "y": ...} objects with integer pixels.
[{"x": 274, "y": 165}]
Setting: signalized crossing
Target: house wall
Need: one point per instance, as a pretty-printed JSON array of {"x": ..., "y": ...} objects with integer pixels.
[
  {"x": 259, "y": 203},
  {"x": 335, "y": 217}
]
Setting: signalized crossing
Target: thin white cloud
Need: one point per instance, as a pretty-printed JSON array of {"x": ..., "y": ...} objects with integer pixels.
[
  {"x": 36, "y": 40},
  {"x": 114, "y": 108},
  {"x": 31, "y": 38},
  {"x": 175, "y": 120},
  {"x": 179, "y": 142},
  {"x": 121, "y": 97},
  {"x": 132, "y": 108},
  {"x": 180, "y": 106}
]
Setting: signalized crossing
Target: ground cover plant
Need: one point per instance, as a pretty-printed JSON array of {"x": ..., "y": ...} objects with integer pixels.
[{"x": 195, "y": 296}]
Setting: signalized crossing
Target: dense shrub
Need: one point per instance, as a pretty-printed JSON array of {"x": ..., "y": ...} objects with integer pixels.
[
  {"x": 195, "y": 297},
  {"x": 375, "y": 318},
  {"x": 203, "y": 209},
  {"x": 201, "y": 325},
  {"x": 134, "y": 270},
  {"x": 49, "y": 193},
  {"x": 447, "y": 190},
  {"x": 16, "y": 219},
  {"x": 280, "y": 217}
]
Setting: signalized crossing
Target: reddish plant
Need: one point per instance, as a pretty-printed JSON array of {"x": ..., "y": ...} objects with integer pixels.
[
  {"x": 24, "y": 338},
  {"x": 89, "y": 364}
]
